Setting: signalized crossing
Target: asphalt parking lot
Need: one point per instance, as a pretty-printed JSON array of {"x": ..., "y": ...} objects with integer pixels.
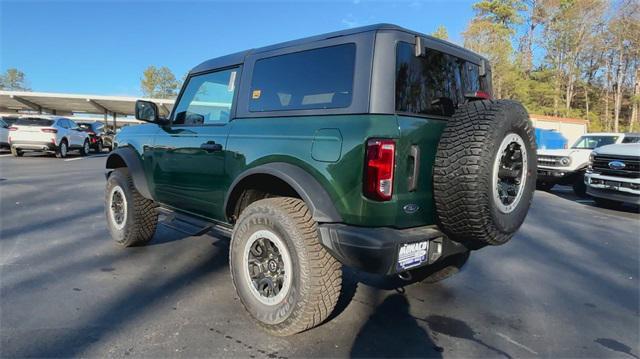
[{"x": 566, "y": 286}]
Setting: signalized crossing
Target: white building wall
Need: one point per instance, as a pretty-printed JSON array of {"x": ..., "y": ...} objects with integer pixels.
[{"x": 570, "y": 130}]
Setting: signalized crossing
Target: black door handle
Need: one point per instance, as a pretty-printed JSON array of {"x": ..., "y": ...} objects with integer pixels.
[{"x": 211, "y": 146}]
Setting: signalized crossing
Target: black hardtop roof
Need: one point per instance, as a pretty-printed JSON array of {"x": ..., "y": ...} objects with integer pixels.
[{"x": 238, "y": 57}]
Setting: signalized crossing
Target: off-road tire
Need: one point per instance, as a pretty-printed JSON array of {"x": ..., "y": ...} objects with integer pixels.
[
  {"x": 60, "y": 153},
  {"x": 141, "y": 215},
  {"x": 16, "y": 152},
  {"x": 84, "y": 150},
  {"x": 579, "y": 187},
  {"x": 545, "y": 186},
  {"x": 463, "y": 172},
  {"x": 441, "y": 270},
  {"x": 316, "y": 275}
]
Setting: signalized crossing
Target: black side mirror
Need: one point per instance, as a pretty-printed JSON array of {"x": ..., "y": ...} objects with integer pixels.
[{"x": 146, "y": 111}]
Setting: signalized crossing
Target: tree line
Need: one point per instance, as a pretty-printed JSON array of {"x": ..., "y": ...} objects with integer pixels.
[{"x": 571, "y": 58}]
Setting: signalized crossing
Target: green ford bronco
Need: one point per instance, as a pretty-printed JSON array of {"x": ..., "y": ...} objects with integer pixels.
[{"x": 377, "y": 148}]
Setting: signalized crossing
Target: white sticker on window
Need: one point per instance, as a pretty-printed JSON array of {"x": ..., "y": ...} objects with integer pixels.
[{"x": 232, "y": 81}]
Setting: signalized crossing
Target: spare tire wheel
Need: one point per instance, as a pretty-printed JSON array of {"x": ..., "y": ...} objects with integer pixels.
[{"x": 485, "y": 172}]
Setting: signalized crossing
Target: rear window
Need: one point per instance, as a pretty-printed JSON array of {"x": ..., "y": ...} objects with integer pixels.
[
  {"x": 434, "y": 84},
  {"x": 313, "y": 79},
  {"x": 40, "y": 122}
]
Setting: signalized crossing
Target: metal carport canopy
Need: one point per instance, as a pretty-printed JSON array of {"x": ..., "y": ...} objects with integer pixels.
[{"x": 60, "y": 103}]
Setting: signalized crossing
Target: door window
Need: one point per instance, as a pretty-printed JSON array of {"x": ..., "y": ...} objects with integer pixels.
[{"x": 207, "y": 99}]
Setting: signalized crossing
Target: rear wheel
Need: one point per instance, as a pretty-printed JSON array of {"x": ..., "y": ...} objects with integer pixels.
[
  {"x": 99, "y": 147},
  {"x": 61, "y": 151},
  {"x": 485, "y": 172},
  {"x": 84, "y": 150},
  {"x": 131, "y": 218},
  {"x": 16, "y": 152},
  {"x": 285, "y": 278}
]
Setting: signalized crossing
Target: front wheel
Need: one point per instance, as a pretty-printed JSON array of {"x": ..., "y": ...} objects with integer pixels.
[
  {"x": 285, "y": 278},
  {"x": 131, "y": 218},
  {"x": 579, "y": 187}
]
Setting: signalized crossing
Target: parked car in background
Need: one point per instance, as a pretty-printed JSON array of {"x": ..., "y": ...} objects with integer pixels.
[
  {"x": 550, "y": 139},
  {"x": 57, "y": 135},
  {"x": 99, "y": 136},
  {"x": 4, "y": 134},
  {"x": 613, "y": 175},
  {"x": 9, "y": 120},
  {"x": 568, "y": 166}
]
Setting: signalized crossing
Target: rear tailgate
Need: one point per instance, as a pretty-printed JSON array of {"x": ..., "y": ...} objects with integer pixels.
[
  {"x": 32, "y": 130},
  {"x": 415, "y": 155}
]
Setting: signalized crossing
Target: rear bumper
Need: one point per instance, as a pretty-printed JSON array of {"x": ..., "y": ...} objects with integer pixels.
[
  {"x": 34, "y": 145},
  {"x": 376, "y": 250}
]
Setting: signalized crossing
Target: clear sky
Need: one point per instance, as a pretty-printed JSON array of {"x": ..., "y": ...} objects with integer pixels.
[{"x": 103, "y": 47}]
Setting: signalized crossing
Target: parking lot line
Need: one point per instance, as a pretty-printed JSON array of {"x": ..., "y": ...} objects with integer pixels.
[{"x": 6, "y": 155}]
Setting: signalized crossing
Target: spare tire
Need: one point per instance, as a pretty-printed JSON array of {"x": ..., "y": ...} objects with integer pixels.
[{"x": 485, "y": 172}]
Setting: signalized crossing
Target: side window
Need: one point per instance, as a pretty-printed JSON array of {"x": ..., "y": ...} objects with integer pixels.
[
  {"x": 434, "y": 84},
  {"x": 312, "y": 79},
  {"x": 63, "y": 123},
  {"x": 71, "y": 124},
  {"x": 207, "y": 99},
  {"x": 631, "y": 139}
]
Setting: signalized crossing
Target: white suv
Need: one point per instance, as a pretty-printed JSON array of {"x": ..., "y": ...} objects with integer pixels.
[
  {"x": 613, "y": 176},
  {"x": 568, "y": 166},
  {"x": 57, "y": 135}
]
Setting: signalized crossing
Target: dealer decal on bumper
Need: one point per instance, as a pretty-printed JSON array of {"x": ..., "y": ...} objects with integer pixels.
[{"x": 412, "y": 254}]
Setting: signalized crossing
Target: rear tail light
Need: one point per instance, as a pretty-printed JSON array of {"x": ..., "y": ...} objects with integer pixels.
[
  {"x": 483, "y": 95},
  {"x": 13, "y": 128},
  {"x": 379, "y": 166},
  {"x": 478, "y": 95},
  {"x": 49, "y": 130}
]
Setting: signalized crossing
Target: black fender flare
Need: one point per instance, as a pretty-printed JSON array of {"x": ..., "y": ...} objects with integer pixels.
[
  {"x": 309, "y": 189},
  {"x": 128, "y": 157}
]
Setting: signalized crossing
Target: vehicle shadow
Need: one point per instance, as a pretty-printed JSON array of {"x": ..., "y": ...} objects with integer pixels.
[
  {"x": 566, "y": 192},
  {"x": 391, "y": 331},
  {"x": 126, "y": 306}
]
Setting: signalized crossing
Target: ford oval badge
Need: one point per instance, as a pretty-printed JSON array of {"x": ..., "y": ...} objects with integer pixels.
[
  {"x": 617, "y": 165},
  {"x": 410, "y": 208}
]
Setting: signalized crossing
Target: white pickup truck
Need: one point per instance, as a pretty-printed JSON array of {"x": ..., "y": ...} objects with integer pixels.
[
  {"x": 613, "y": 176},
  {"x": 568, "y": 166}
]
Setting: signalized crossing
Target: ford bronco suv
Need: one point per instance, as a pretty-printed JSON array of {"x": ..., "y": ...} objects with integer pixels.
[{"x": 377, "y": 148}]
